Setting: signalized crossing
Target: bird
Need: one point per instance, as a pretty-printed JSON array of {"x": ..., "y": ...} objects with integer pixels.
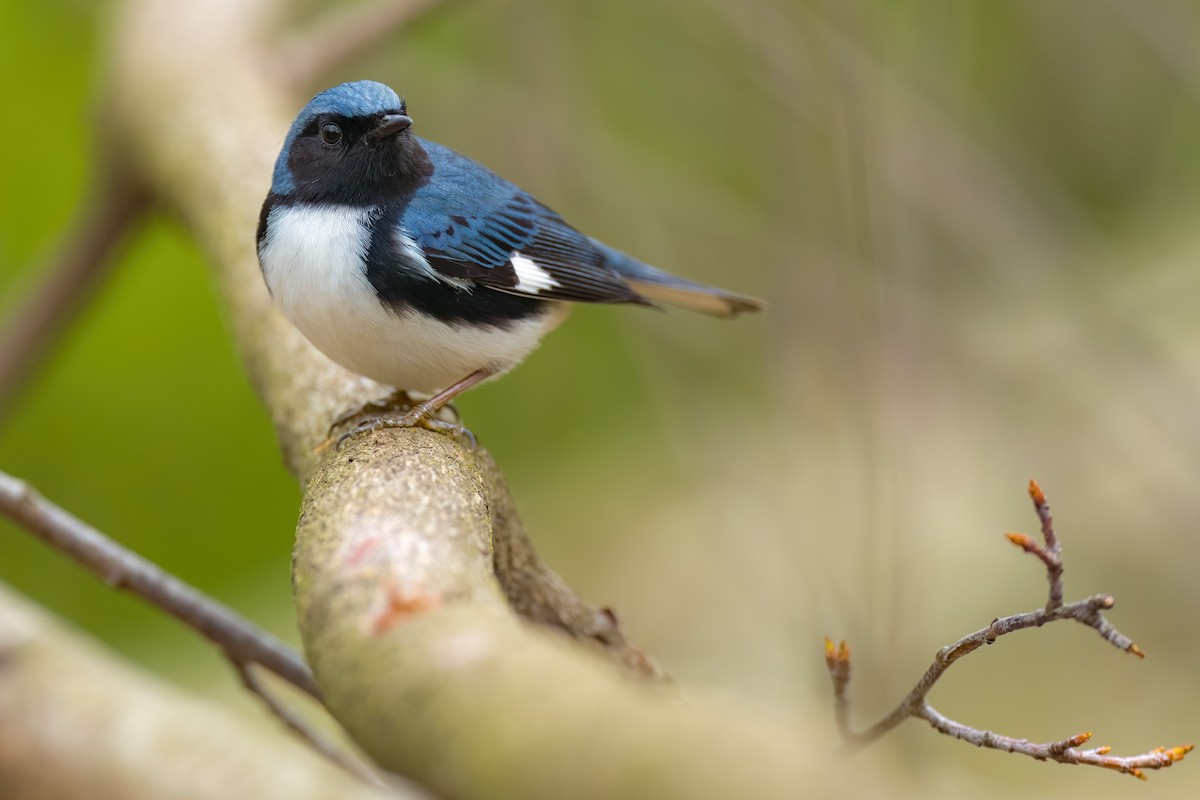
[{"x": 410, "y": 264}]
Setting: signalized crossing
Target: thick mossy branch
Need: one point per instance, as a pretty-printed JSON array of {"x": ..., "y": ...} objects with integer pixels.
[{"x": 420, "y": 657}]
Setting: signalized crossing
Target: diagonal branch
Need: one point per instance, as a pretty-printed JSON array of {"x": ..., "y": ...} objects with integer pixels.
[
  {"x": 243, "y": 643},
  {"x": 78, "y": 721},
  {"x": 241, "y": 640},
  {"x": 1088, "y": 611}
]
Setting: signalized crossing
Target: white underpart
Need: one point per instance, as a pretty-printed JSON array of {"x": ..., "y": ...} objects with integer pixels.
[
  {"x": 313, "y": 261},
  {"x": 530, "y": 277}
]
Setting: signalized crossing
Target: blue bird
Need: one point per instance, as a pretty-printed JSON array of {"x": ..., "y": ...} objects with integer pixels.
[{"x": 413, "y": 265}]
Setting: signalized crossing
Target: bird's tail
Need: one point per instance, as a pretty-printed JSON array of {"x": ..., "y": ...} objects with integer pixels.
[{"x": 663, "y": 287}]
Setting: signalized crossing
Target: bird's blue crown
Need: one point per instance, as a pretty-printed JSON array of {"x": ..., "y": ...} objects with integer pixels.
[{"x": 357, "y": 99}]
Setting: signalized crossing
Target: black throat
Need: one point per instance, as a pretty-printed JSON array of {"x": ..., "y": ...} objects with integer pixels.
[
  {"x": 358, "y": 172},
  {"x": 383, "y": 176}
]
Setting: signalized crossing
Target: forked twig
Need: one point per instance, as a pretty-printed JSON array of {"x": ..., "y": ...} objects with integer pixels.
[{"x": 1088, "y": 611}]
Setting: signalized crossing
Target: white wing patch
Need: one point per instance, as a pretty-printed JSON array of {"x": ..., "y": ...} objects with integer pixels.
[
  {"x": 416, "y": 259},
  {"x": 530, "y": 277}
]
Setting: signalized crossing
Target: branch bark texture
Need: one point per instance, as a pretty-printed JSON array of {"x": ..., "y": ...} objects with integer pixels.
[{"x": 424, "y": 662}]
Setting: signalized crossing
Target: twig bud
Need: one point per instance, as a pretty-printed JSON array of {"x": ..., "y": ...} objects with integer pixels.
[{"x": 1036, "y": 493}]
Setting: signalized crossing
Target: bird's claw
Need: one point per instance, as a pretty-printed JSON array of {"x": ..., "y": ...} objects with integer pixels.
[
  {"x": 423, "y": 414},
  {"x": 412, "y": 419},
  {"x": 455, "y": 429},
  {"x": 399, "y": 400}
]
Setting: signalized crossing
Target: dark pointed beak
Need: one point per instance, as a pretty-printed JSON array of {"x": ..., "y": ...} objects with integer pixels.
[{"x": 389, "y": 125}]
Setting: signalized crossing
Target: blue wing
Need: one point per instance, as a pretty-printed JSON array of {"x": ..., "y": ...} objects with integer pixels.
[{"x": 473, "y": 224}]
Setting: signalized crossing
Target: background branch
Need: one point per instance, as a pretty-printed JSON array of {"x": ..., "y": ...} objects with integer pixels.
[
  {"x": 115, "y": 202},
  {"x": 1063, "y": 752},
  {"x": 240, "y": 640},
  {"x": 243, "y": 643},
  {"x": 1088, "y": 611},
  {"x": 345, "y": 34},
  {"x": 302, "y": 729},
  {"x": 75, "y": 721}
]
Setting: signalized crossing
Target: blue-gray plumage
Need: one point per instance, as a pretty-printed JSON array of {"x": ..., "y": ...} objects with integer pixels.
[{"x": 415, "y": 266}]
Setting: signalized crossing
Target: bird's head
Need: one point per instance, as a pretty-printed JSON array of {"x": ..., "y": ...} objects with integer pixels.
[{"x": 351, "y": 144}]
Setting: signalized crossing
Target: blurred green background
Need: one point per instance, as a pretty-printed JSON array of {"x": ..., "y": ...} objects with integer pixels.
[{"x": 976, "y": 225}]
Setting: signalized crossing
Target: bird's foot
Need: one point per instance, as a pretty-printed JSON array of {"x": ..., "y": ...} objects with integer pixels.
[
  {"x": 414, "y": 415},
  {"x": 418, "y": 417},
  {"x": 398, "y": 400},
  {"x": 423, "y": 414}
]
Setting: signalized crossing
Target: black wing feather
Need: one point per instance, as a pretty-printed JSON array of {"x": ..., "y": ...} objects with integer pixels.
[{"x": 481, "y": 247}]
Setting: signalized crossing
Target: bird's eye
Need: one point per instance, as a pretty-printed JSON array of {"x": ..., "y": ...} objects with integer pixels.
[{"x": 331, "y": 133}]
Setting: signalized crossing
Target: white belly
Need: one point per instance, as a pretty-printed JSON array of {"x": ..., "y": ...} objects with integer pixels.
[{"x": 313, "y": 264}]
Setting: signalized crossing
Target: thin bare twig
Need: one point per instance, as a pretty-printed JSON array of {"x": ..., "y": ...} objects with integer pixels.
[
  {"x": 837, "y": 660},
  {"x": 1065, "y": 751},
  {"x": 115, "y": 203},
  {"x": 1051, "y": 554},
  {"x": 302, "y": 729},
  {"x": 345, "y": 34},
  {"x": 1088, "y": 611},
  {"x": 241, "y": 640},
  {"x": 243, "y": 643}
]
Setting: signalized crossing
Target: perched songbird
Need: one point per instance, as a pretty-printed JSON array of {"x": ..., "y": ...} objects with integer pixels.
[{"x": 410, "y": 264}]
